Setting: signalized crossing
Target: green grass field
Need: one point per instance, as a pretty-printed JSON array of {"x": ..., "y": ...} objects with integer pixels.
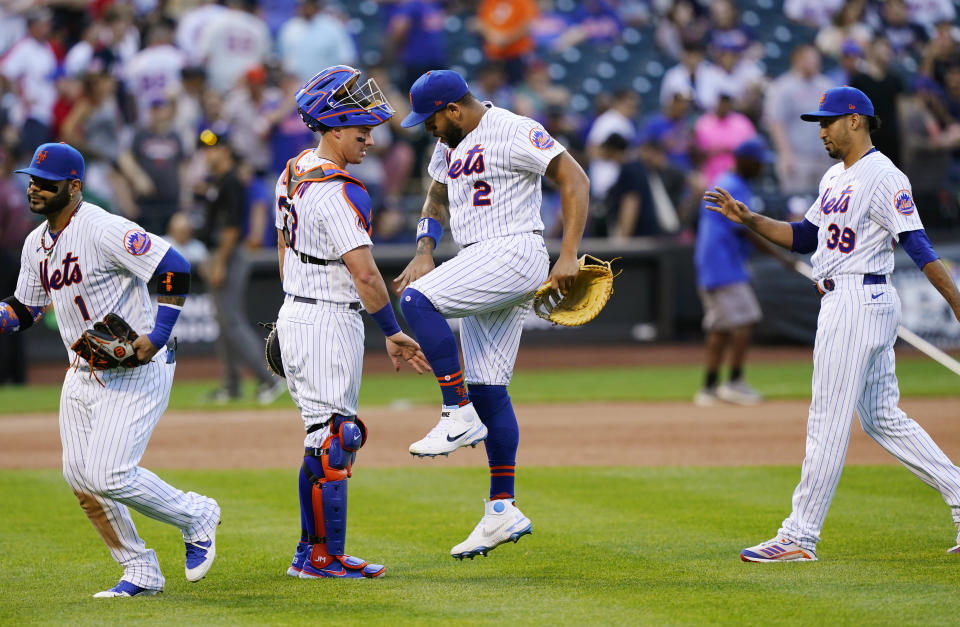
[
  {"x": 790, "y": 380},
  {"x": 611, "y": 546}
]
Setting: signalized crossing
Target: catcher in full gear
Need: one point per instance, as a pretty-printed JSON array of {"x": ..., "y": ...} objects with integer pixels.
[{"x": 329, "y": 274}]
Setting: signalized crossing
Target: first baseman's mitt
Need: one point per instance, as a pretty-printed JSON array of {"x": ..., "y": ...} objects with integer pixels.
[
  {"x": 272, "y": 351},
  {"x": 584, "y": 300},
  {"x": 109, "y": 344}
]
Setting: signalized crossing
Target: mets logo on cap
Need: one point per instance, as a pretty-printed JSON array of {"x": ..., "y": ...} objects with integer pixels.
[
  {"x": 541, "y": 138},
  {"x": 903, "y": 202},
  {"x": 136, "y": 241}
]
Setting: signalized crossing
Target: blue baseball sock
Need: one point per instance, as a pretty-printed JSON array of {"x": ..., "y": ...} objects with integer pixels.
[
  {"x": 495, "y": 410},
  {"x": 438, "y": 344}
]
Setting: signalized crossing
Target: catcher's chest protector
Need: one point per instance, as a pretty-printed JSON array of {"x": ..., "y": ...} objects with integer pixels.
[{"x": 320, "y": 173}]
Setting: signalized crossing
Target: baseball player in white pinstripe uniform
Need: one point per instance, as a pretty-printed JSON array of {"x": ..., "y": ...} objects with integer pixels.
[
  {"x": 486, "y": 171},
  {"x": 865, "y": 204},
  {"x": 86, "y": 263},
  {"x": 323, "y": 222}
]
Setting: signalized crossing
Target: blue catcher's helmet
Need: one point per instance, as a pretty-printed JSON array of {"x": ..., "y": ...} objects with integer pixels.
[{"x": 332, "y": 98}]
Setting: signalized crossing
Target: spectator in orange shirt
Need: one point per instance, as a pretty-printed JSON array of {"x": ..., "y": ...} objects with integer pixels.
[{"x": 506, "y": 28}]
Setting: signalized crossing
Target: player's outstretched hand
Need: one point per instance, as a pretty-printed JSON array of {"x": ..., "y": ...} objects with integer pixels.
[
  {"x": 145, "y": 348},
  {"x": 418, "y": 266},
  {"x": 402, "y": 346},
  {"x": 725, "y": 204},
  {"x": 563, "y": 273}
]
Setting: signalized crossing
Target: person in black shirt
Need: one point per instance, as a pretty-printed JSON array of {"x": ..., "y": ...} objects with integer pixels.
[{"x": 228, "y": 270}]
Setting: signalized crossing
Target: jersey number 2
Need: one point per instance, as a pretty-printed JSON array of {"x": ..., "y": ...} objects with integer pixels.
[
  {"x": 481, "y": 189},
  {"x": 844, "y": 240}
]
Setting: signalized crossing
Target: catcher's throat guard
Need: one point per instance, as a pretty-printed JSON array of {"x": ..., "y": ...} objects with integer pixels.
[{"x": 586, "y": 298}]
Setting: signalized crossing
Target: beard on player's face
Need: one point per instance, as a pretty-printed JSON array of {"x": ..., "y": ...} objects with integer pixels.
[
  {"x": 52, "y": 205},
  {"x": 441, "y": 126},
  {"x": 453, "y": 136}
]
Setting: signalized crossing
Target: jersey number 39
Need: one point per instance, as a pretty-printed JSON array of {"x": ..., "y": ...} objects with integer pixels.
[{"x": 844, "y": 240}]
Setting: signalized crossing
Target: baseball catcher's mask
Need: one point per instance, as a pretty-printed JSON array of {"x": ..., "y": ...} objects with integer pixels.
[
  {"x": 592, "y": 288},
  {"x": 333, "y": 98}
]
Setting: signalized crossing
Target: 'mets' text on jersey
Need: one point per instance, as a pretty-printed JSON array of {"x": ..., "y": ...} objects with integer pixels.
[
  {"x": 493, "y": 176},
  {"x": 859, "y": 210},
  {"x": 99, "y": 263}
]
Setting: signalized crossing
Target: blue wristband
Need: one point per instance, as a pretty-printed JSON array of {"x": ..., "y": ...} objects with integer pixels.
[
  {"x": 166, "y": 317},
  {"x": 386, "y": 319},
  {"x": 428, "y": 227}
]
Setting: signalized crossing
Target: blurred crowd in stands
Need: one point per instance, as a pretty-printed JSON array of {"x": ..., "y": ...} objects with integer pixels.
[{"x": 651, "y": 96}]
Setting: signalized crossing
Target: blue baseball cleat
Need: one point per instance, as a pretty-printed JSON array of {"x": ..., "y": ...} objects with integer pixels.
[
  {"x": 300, "y": 557},
  {"x": 342, "y": 566},
  {"x": 126, "y": 589}
]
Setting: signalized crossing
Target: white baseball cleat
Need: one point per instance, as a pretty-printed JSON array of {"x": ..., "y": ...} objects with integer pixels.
[
  {"x": 200, "y": 554},
  {"x": 778, "y": 549},
  {"x": 707, "y": 397},
  {"x": 502, "y": 522},
  {"x": 956, "y": 549},
  {"x": 739, "y": 393},
  {"x": 458, "y": 426}
]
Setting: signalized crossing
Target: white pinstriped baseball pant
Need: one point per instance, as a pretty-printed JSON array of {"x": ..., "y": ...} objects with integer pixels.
[
  {"x": 322, "y": 349},
  {"x": 104, "y": 432},
  {"x": 853, "y": 370},
  {"x": 490, "y": 286}
]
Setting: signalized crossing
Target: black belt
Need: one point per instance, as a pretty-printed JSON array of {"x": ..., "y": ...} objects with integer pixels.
[
  {"x": 305, "y": 258},
  {"x": 355, "y": 306},
  {"x": 868, "y": 279}
]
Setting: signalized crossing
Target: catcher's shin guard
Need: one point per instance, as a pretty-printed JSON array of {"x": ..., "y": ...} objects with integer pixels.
[{"x": 328, "y": 503}]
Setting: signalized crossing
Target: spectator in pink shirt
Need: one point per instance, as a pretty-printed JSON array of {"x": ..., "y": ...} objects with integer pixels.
[{"x": 716, "y": 135}]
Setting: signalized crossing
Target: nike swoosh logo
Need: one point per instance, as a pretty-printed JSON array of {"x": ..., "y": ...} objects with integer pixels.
[
  {"x": 876, "y": 296},
  {"x": 451, "y": 439}
]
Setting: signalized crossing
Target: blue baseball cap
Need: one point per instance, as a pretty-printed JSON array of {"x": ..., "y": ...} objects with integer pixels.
[
  {"x": 840, "y": 101},
  {"x": 56, "y": 162},
  {"x": 754, "y": 148},
  {"x": 432, "y": 92}
]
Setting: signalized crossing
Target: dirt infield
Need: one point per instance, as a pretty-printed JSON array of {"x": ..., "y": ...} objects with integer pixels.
[{"x": 649, "y": 434}]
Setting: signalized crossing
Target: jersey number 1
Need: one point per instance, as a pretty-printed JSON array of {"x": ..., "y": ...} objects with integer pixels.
[{"x": 82, "y": 306}]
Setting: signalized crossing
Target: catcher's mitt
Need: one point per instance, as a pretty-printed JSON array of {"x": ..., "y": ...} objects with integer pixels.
[
  {"x": 584, "y": 300},
  {"x": 109, "y": 344},
  {"x": 272, "y": 351}
]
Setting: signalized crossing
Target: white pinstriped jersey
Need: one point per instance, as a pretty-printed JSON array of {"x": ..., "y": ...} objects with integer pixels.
[
  {"x": 859, "y": 209},
  {"x": 99, "y": 263},
  {"x": 493, "y": 176},
  {"x": 323, "y": 223}
]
